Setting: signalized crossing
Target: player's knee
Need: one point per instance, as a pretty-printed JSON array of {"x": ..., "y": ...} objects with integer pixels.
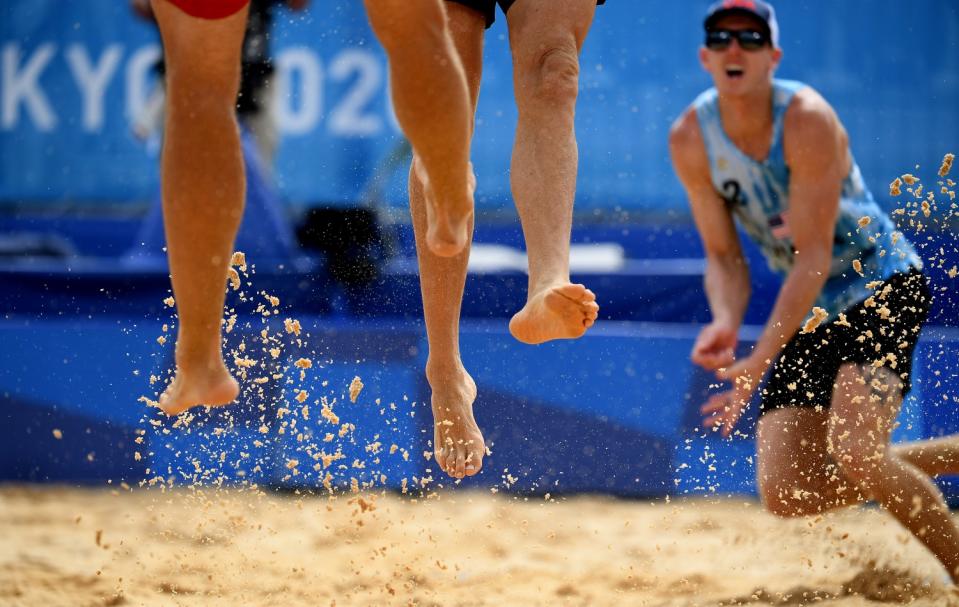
[
  {"x": 781, "y": 498},
  {"x": 552, "y": 74},
  {"x": 867, "y": 475},
  {"x": 859, "y": 460}
]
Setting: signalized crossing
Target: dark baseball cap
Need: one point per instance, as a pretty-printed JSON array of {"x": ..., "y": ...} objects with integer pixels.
[{"x": 754, "y": 8}]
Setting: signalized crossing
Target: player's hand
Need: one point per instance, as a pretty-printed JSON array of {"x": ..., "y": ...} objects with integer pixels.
[
  {"x": 725, "y": 408},
  {"x": 715, "y": 346}
]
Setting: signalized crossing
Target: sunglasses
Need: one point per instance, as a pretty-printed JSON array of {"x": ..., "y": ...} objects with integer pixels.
[{"x": 749, "y": 40}]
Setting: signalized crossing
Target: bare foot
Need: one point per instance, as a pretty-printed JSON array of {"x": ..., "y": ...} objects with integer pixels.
[
  {"x": 458, "y": 444},
  {"x": 211, "y": 388},
  {"x": 562, "y": 311},
  {"x": 447, "y": 217}
]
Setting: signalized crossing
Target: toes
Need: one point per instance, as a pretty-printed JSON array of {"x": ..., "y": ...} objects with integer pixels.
[
  {"x": 450, "y": 450},
  {"x": 439, "y": 455},
  {"x": 444, "y": 453},
  {"x": 474, "y": 462},
  {"x": 590, "y": 314},
  {"x": 576, "y": 292},
  {"x": 460, "y": 469}
]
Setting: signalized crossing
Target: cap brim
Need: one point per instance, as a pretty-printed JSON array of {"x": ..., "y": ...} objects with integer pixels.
[{"x": 736, "y": 10}]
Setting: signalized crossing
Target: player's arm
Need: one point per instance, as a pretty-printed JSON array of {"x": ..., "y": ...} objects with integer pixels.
[
  {"x": 727, "y": 275},
  {"x": 816, "y": 153}
]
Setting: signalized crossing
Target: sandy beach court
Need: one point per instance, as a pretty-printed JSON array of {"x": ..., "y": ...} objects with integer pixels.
[{"x": 68, "y": 546}]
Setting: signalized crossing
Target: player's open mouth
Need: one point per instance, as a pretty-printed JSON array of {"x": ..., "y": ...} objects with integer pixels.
[{"x": 734, "y": 71}]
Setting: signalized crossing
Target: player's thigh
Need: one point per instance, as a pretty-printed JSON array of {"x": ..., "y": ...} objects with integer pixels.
[
  {"x": 467, "y": 28},
  {"x": 794, "y": 468},
  {"x": 865, "y": 406},
  {"x": 400, "y": 23},
  {"x": 204, "y": 52}
]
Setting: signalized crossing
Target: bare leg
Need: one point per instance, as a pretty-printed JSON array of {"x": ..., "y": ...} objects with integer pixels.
[
  {"x": 864, "y": 410},
  {"x": 795, "y": 473},
  {"x": 545, "y": 38},
  {"x": 934, "y": 456},
  {"x": 203, "y": 194},
  {"x": 458, "y": 443},
  {"x": 798, "y": 477},
  {"x": 432, "y": 103}
]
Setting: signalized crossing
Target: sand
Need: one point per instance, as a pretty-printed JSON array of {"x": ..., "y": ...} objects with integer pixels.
[{"x": 67, "y": 546}]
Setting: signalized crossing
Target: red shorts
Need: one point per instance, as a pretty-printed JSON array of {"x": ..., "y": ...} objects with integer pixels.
[{"x": 210, "y": 9}]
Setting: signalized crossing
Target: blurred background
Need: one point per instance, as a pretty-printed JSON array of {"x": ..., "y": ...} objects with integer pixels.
[{"x": 83, "y": 275}]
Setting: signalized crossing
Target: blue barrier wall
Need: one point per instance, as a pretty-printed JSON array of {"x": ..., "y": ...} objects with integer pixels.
[
  {"x": 73, "y": 73},
  {"x": 616, "y": 411}
]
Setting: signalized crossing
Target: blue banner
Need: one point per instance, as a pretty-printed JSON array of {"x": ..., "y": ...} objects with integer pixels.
[{"x": 75, "y": 75}]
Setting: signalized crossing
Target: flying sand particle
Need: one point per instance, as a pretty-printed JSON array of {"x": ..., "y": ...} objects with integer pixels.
[
  {"x": 818, "y": 315},
  {"x": 292, "y": 326},
  {"x": 234, "y": 279},
  {"x": 895, "y": 188},
  {"x": 239, "y": 260},
  {"x": 356, "y": 386},
  {"x": 946, "y": 164}
]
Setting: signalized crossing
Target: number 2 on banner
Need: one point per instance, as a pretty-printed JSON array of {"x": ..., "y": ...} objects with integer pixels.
[
  {"x": 303, "y": 90},
  {"x": 347, "y": 118}
]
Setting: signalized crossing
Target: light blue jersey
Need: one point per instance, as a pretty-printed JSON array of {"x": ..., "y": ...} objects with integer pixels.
[{"x": 758, "y": 193}]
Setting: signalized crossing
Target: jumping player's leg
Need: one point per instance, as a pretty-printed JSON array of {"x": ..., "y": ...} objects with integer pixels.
[
  {"x": 432, "y": 103},
  {"x": 865, "y": 405},
  {"x": 545, "y": 39},
  {"x": 458, "y": 443},
  {"x": 203, "y": 193}
]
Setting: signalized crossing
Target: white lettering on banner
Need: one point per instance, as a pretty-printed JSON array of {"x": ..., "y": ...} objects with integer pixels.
[
  {"x": 21, "y": 87},
  {"x": 93, "y": 80},
  {"x": 347, "y": 118},
  {"x": 139, "y": 69},
  {"x": 305, "y": 116},
  {"x": 301, "y": 93},
  {"x": 301, "y": 79}
]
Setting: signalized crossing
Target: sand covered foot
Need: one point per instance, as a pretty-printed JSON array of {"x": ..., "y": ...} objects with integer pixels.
[
  {"x": 191, "y": 389},
  {"x": 458, "y": 444},
  {"x": 561, "y": 311},
  {"x": 447, "y": 216}
]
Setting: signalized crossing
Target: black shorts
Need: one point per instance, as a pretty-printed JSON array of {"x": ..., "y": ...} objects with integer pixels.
[
  {"x": 488, "y": 7},
  {"x": 881, "y": 328}
]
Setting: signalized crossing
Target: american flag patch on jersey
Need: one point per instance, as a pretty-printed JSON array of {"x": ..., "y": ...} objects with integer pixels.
[{"x": 779, "y": 225}]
